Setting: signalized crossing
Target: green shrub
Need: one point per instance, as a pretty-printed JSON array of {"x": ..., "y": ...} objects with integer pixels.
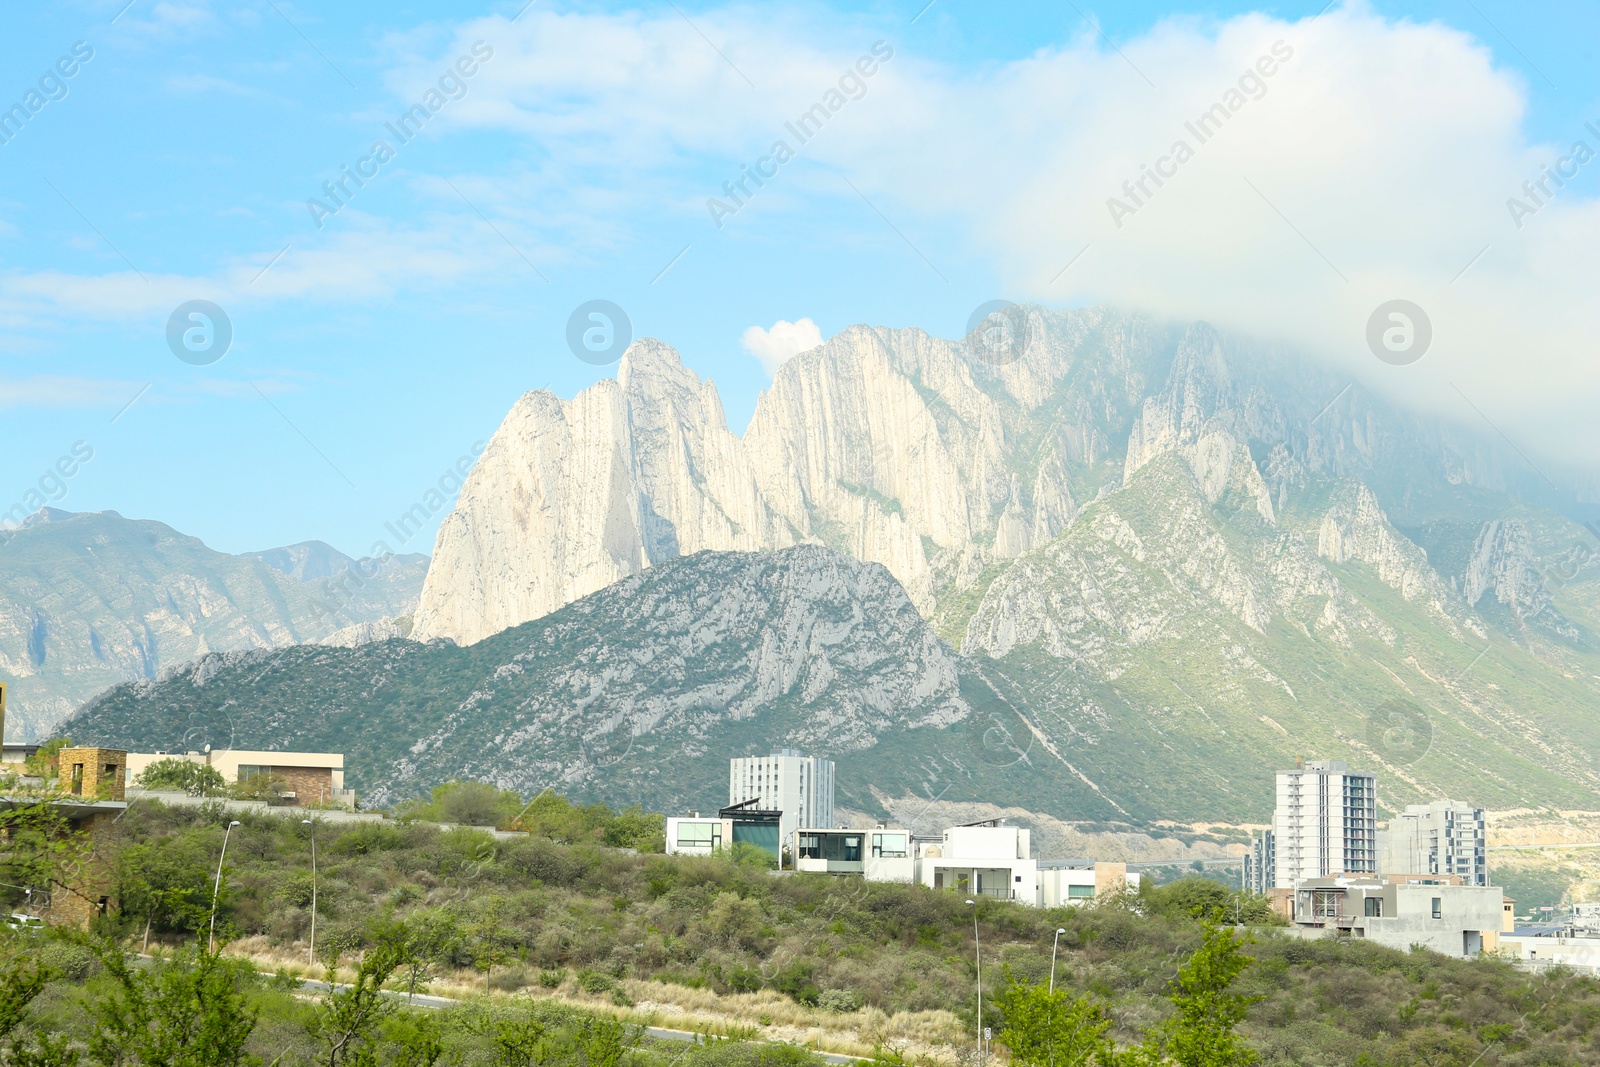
[
  {"x": 839, "y": 1000},
  {"x": 552, "y": 979}
]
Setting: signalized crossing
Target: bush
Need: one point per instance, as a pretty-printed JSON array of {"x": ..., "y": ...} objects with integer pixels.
[
  {"x": 553, "y": 978},
  {"x": 72, "y": 962},
  {"x": 839, "y": 1000},
  {"x": 593, "y": 981}
]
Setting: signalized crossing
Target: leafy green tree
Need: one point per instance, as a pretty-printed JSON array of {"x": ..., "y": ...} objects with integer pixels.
[
  {"x": 189, "y": 1012},
  {"x": 267, "y": 787},
  {"x": 349, "y": 1020},
  {"x": 1203, "y": 1031},
  {"x": 177, "y": 774},
  {"x": 169, "y": 885},
  {"x": 1051, "y": 1029},
  {"x": 635, "y": 828},
  {"x": 467, "y": 804},
  {"x": 44, "y": 763}
]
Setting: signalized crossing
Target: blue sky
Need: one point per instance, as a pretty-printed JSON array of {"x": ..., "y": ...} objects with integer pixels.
[{"x": 372, "y": 351}]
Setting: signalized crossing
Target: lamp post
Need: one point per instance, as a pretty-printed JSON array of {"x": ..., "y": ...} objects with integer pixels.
[
  {"x": 977, "y": 955},
  {"x": 311, "y": 951},
  {"x": 1053, "y": 946},
  {"x": 216, "y": 886}
]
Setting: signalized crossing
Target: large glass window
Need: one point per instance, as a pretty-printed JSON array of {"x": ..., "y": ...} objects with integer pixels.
[
  {"x": 699, "y": 835},
  {"x": 889, "y": 846}
]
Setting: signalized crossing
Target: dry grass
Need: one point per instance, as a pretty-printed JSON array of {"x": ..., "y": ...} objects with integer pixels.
[{"x": 765, "y": 1015}]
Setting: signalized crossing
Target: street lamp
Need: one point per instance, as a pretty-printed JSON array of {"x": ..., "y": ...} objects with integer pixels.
[
  {"x": 311, "y": 952},
  {"x": 1053, "y": 945},
  {"x": 216, "y": 886},
  {"x": 977, "y": 955}
]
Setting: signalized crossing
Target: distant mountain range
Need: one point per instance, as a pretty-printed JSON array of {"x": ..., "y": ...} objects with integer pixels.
[
  {"x": 91, "y": 600},
  {"x": 1170, "y": 561}
]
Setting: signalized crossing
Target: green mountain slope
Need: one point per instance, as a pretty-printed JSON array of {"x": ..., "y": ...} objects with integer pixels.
[{"x": 638, "y": 693}]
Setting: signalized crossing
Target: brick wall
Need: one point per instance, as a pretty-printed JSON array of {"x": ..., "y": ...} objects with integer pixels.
[
  {"x": 94, "y": 772},
  {"x": 310, "y": 785}
]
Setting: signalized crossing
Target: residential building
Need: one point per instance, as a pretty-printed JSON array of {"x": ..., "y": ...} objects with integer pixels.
[
  {"x": 1451, "y": 919},
  {"x": 1077, "y": 882},
  {"x": 1261, "y": 864},
  {"x": 93, "y": 780},
  {"x": 1326, "y": 823},
  {"x": 745, "y": 823},
  {"x": 1443, "y": 837},
  {"x": 799, "y": 786},
  {"x": 986, "y": 859},
  {"x": 882, "y": 854},
  {"x": 309, "y": 778}
]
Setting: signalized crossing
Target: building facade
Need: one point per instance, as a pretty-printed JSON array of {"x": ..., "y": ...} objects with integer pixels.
[
  {"x": 1441, "y": 838},
  {"x": 1325, "y": 823},
  {"x": 799, "y": 786},
  {"x": 310, "y": 779},
  {"x": 1452, "y": 919},
  {"x": 1261, "y": 864}
]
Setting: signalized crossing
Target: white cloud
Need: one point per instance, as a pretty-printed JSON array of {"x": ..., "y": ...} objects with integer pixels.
[
  {"x": 774, "y": 347},
  {"x": 60, "y": 391},
  {"x": 1375, "y": 162}
]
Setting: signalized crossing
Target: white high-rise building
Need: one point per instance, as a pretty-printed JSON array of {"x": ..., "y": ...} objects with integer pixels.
[
  {"x": 1326, "y": 823},
  {"x": 799, "y": 786},
  {"x": 1443, "y": 837}
]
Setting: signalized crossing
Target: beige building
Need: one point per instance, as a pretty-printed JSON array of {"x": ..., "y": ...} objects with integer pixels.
[{"x": 311, "y": 779}]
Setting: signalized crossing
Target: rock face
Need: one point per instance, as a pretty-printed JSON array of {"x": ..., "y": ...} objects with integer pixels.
[
  {"x": 637, "y": 692},
  {"x": 911, "y": 451},
  {"x": 91, "y": 600}
]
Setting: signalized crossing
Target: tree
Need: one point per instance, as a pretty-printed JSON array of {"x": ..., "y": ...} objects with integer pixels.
[
  {"x": 267, "y": 787},
  {"x": 189, "y": 1012},
  {"x": 1202, "y": 1033},
  {"x": 44, "y": 763},
  {"x": 169, "y": 885},
  {"x": 176, "y": 774},
  {"x": 22, "y": 979},
  {"x": 349, "y": 1019},
  {"x": 1051, "y": 1029},
  {"x": 467, "y": 804}
]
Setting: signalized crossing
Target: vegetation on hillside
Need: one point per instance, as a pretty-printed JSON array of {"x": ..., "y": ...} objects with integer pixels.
[{"x": 609, "y": 928}]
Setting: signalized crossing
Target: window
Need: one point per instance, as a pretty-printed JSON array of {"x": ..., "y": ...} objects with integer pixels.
[
  {"x": 699, "y": 835},
  {"x": 77, "y": 779},
  {"x": 1374, "y": 907},
  {"x": 889, "y": 846},
  {"x": 1080, "y": 892},
  {"x": 1438, "y": 908},
  {"x": 247, "y": 772}
]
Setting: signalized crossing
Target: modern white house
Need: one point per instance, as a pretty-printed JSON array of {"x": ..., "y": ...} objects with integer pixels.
[
  {"x": 988, "y": 859},
  {"x": 1443, "y": 837},
  {"x": 1325, "y": 823},
  {"x": 1078, "y": 882},
  {"x": 1451, "y": 919},
  {"x": 799, "y": 786},
  {"x": 882, "y": 854}
]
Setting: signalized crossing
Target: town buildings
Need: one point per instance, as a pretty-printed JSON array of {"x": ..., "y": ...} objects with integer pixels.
[
  {"x": 1261, "y": 864},
  {"x": 1439, "y": 914},
  {"x": 800, "y": 786},
  {"x": 310, "y": 779},
  {"x": 1325, "y": 823},
  {"x": 1443, "y": 837}
]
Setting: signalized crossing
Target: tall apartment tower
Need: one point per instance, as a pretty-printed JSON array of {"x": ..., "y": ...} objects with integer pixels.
[
  {"x": 1261, "y": 863},
  {"x": 799, "y": 786},
  {"x": 1326, "y": 823},
  {"x": 1443, "y": 837}
]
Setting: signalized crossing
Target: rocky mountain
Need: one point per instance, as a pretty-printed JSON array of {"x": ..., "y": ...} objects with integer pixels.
[
  {"x": 1138, "y": 532},
  {"x": 1162, "y": 562},
  {"x": 91, "y": 600},
  {"x": 634, "y": 693}
]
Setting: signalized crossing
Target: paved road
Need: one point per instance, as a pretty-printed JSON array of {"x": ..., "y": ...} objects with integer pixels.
[{"x": 427, "y": 1000}]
